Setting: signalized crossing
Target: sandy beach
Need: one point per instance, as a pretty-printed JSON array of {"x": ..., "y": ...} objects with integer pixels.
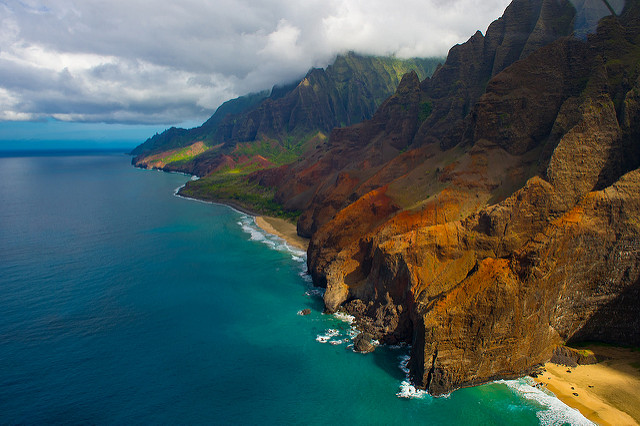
[
  {"x": 607, "y": 393},
  {"x": 283, "y": 229}
]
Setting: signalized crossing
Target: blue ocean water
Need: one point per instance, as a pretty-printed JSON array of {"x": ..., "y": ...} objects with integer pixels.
[{"x": 122, "y": 303}]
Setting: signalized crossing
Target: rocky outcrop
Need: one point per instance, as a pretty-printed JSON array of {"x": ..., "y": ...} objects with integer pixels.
[
  {"x": 362, "y": 343},
  {"x": 563, "y": 355},
  {"x": 490, "y": 213}
]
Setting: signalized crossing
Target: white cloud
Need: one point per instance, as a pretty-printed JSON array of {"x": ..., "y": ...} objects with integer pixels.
[
  {"x": 9, "y": 108},
  {"x": 282, "y": 43},
  {"x": 167, "y": 61}
]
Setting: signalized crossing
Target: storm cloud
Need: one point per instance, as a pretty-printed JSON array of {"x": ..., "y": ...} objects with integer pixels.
[{"x": 137, "y": 61}]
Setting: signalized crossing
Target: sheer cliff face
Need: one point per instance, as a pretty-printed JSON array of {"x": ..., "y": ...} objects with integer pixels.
[{"x": 493, "y": 211}]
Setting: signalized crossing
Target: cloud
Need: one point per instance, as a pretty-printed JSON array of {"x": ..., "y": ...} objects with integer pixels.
[{"x": 166, "y": 62}]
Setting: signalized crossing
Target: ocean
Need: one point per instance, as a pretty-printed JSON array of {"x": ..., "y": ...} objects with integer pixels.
[{"x": 121, "y": 303}]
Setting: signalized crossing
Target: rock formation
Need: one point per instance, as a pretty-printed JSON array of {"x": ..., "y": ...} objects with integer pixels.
[{"x": 491, "y": 212}]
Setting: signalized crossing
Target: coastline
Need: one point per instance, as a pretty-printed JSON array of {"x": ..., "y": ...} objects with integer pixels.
[
  {"x": 283, "y": 229},
  {"x": 234, "y": 206},
  {"x": 272, "y": 225},
  {"x": 607, "y": 393}
]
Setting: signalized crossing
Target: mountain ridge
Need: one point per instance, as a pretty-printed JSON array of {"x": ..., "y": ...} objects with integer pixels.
[{"x": 286, "y": 118}]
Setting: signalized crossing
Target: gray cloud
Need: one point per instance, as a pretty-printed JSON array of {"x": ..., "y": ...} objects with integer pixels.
[{"x": 168, "y": 61}]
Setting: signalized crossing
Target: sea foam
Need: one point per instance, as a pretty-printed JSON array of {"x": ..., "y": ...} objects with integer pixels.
[
  {"x": 554, "y": 412},
  {"x": 248, "y": 224},
  {"x": 344, "y": 317},
  {"x": 328, "y": 334},
  {"x": 407, "y": 389},
  {"x": 315, "y": 292}
]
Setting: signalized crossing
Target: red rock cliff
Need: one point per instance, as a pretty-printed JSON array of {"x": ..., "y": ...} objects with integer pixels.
[{"x": 493, "y": 211}]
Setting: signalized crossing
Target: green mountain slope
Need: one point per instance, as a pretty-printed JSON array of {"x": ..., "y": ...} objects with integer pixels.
[
  {"x": 177, "y": 138},
  {"x": 280, "y": 125}
]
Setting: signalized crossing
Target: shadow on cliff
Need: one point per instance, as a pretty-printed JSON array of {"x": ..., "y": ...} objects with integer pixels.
[
  {"x": 623, "y": 158},
  {"x": 616, "y": 323}
]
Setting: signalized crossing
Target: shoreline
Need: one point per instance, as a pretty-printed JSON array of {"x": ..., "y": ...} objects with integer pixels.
[
  {"x": 230, "y": 204},
  {"x": 280, "y": 230},
  {"x": 283, "y": 229},
  {"x": 272, "y": 225},
  {"x": 607, "y": 393}
]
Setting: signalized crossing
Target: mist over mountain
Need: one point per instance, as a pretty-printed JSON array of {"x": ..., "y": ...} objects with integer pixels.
[{"x": 174, "y": 62}]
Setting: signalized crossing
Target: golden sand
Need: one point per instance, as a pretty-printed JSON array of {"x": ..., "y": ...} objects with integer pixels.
[
  {"x": 283, "y": 229},
  {"x": 607, "y": 393}
]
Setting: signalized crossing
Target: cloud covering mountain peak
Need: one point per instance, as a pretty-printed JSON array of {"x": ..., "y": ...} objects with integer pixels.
[{"x": 166, "y": 62}]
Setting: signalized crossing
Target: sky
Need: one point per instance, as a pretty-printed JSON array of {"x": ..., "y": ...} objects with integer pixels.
[{"x": 110, "y": 66}]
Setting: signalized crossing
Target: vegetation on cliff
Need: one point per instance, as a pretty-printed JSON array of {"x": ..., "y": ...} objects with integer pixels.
[
  {"x": 275, "y": 127},
  {"x": 231, "y": 188}
]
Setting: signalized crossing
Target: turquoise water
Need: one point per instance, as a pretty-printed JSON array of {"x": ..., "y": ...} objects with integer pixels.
[{"x": 121, "y": 303}]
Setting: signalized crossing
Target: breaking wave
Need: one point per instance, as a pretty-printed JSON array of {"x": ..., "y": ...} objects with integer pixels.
[
  {"x": 344, "y": 317},
  {"x": 328, "y": 334},
  {"x": 554, "y": 411},
  {"x": 248, "y": 224},
  {"x": 407, "y": 389}
]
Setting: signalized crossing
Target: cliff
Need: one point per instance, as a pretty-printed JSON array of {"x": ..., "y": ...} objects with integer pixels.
[{"x": 491, "y": 212}]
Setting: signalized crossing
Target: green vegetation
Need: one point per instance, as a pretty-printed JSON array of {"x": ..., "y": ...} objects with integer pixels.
[
  {"x": 233, "y": 187},
  {"x": 268, "y": 149},
  {"x": 354, "y": 86},
  {"x": 182, "y": 155},
  {"x": 281, "y": 152},
  {"x": 177, "y": 137},
  {"x": 585, "y": 352},
  {"x": 169, "y": 139},
  {"x": 379, "y": 74},
  {"x": 425, "y": 111},
  {"x": 505, "y": 120},
  {"x": 621, "y": 55},
  {"x": 576, "y": 345}
]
